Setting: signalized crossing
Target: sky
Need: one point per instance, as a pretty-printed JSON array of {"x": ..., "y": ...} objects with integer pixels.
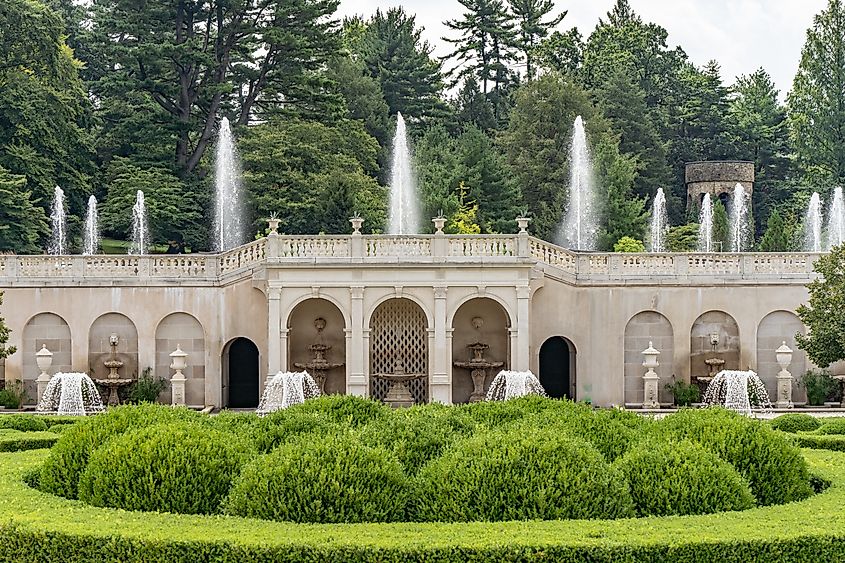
[{"x": 742, "y": 35}]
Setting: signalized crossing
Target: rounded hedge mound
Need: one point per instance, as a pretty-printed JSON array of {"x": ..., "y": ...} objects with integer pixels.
[
  {"x": 61, "y": 472},
  {"x": 607, "y": 432},
  {"x": 682, "y": 478},
  {"x": 836, "y": 426},
  {"x": 511, "y": 474},
  {"x": 348, "y": 410},
  {"x": 23, "y": 422},
  {"x": 773, "y": 467},
  {"x": 331, "y": 479},
  {"x": 494, "y": 414},
  {"x": 286, "y": 425},
  {"x": 795, "y": 422},
  {"x": 177, "y": 467}
]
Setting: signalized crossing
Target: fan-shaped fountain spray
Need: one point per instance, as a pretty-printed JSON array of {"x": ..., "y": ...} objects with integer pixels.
[
  {"x": 404, "y": 213},
  {"x": 58, "y": 222},
  {"x": 91, "y": 236},
  {"x": 659, "y": 223},
  {"x": 140, "y": 228},
  {"x": 511, "y": 384},
  {"x": 70, "y": 394},
  {"x": 228, "y": 207},
  {"x": 836, "y": 220},
  {"x": 705, "y": 225},
  {"x": 580, "y": 223},
  {"x": 813, "y": 225},
  {"x": 740, "y": 226},
  {"x": 286, "y": 389},
  {"x": 739, "y": 391}
]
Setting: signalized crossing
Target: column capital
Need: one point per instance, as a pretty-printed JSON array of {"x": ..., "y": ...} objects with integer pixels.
[
  {"x": 356, "y": 291},
  {"x": 440, "y": 291}
]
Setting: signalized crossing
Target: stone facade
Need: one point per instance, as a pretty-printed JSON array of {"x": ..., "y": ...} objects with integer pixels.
[
  {"x": 717, "y": 178},
  {"x": 526, "y": 292}
]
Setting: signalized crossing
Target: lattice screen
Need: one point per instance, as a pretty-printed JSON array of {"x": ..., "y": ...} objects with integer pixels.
[{"x": 398, "y": 334}]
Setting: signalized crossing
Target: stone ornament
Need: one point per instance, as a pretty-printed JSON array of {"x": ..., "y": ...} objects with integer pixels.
[
  {"x": 178, "y": 362},
  {"x": 44, "y": 360},
  {"x": 650, "y": 379}
]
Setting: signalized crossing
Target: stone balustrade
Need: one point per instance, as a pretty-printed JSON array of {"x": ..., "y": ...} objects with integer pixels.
[{"x": 275, "y": 250}]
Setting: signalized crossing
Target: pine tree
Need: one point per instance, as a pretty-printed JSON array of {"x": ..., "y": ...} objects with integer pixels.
[
  {"x": 721, "y": 229},
  {"x": 779, "y": 236},
  {"x": 23, "y": 224},
  {"x": 622, "y": 214},
  {"x": 473, "y": 107},
  {"x": 464, "y": 221},
  {"x": 531, "y": 29}
]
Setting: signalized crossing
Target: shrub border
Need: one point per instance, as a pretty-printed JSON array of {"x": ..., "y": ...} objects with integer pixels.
[
  {"x": 35, "y": 526},
  {"x": 27, "y": 441}
]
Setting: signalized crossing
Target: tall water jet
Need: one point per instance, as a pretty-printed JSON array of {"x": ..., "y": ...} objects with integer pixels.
[
  {"x": 140, "y": 227},
  {"x": 404, "y": 212},
  {"x": 58, "y": 222},
  {"x": 580, "y": 224},
  {"x": 705, "y": 225},
  {"x": 813, "y": 225},
  {"x": 228, "y": 208},
  {"x": 91, "y": 236},
  {"x": 836, "y": 220},
  {"x": 739, "y": 216},
  {"x": 659, "y": 223}
]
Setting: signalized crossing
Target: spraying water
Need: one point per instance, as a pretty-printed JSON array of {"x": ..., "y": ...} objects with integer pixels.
[
  {"x": 836, "y": 220},
  {"x": 140, "y": 227},
  {"x": 91, "y": 236},
  {"x": 228, "y": 209},
  {"x": 286, "y": 389},
  {"x": 58, "y": 221},
  {"x": 404, "y": 214},
  {"x": 739, "y": 391},
  {"x": 659, "y": 223},
  {"x": 70, "y": 394},
  {"x": 740, "y": 236},
  {"x": 813, "y": 225},
  {"x": 580, "y": 225},
  {"x": 705, "y": 225},
  {"x": 512, "y": 384}
]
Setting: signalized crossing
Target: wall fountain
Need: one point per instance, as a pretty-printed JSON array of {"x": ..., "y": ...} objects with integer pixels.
[
  {"x": 319, "y": 366},
  {"x": 113, "y": 382},
  {"x": 398, "y": 393},
  {"x": 478, "y": 367}
]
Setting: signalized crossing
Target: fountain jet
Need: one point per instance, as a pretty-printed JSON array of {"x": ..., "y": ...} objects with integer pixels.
[
  {"x": 286, "y": 389},
  {"x": 91, "y": 236},
  {"x": 705, "y": 225},
  {"x": 813, "y": 225},
  {"x": 404, "y": 212},
  {"x": 836, "y": 220},
  {"x": 140, "y": 227},
  {"x": 740, "y": 239},
  {"x": 739, "y": 391},
  {"x": 58, "y": 222},
  {"x": 228, "y": 208},
  {"x": 70, "y": 394},
  {"x": 512, "y": 384},
  {"x": 580, "y": 224},
  {"x": 659, "y": 223}
]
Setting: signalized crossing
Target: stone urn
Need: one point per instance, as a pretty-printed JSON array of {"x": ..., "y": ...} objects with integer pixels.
[
  {"x": 44, "y": 360},
  {"x": 178, "y": 362}
]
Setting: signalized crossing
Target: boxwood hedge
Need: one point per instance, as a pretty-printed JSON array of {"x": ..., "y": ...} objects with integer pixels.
[
  {"x": 15, "y": 440},
  {"x": 795, "y": 422}
]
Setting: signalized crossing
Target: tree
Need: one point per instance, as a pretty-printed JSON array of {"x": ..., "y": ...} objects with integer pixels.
[
  {"x": 622, "y": 214},
  {"x": 721, "y": 230},
  {"x": 5, "y": 332},
  {"x": 825, "y": 342},
  {"x": 816, "y": 103},
  {"x": 23, "y": 224},
  {"x": 778, "y": 236},
  {"x": 683, "y": 238},
  {"x": 561, "y": 52},
  {"x": 464, "y": 221},
  {"x": 363, "y": 95},
  {"x": 473, "y": 108},
  {"x": 531, "y": 29},
  {"x": 628, "y": 244}
]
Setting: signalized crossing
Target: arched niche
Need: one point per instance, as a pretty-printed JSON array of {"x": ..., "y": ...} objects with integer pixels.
[
  {"x": 479, "y": 320},
  {"x": 127, "y": 346},
  {"x": 44, "y": 329},
  {"x": 557, "y": 367},
  {"x": 186, "y": 332},
  {"x": 399, "y": 336},
  {"x": 776, "y": 328},
  {"x": 712, "y": 325},
  {"x": 644, "y": 328},
  {"x": 241, "y": 381},
  {"x": 318, "y": 322}
]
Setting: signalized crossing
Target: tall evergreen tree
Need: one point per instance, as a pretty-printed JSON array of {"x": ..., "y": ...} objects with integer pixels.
[
  {"x": 531, "y": 28},
  {"x": 472, "y": 107},
  {"x": 779, "y": 236},
  {"x": 23, "y": 225},
  {"x": 622, "y": 214},
  {"x": 561, "y": 52}
]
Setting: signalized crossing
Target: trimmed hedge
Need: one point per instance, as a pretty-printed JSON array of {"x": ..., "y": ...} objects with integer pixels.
[
  {"x": 510, "y": 474},
  {"x": 348, "y": 410},
  {"x": 832, "y": 442},
  {"x": 15, "y": 441},
  {"x": 22, "y": 422},
  {"x": 795, "y": 422},
  {"x": 606, "y": 431},
  {"x": 284, "y": 426},
  {"x": 832, "y": 427},
  {"x": 178, "y": 467},
  {"x": 682, "y": 478},
  {"x": 335, "y": 479}
]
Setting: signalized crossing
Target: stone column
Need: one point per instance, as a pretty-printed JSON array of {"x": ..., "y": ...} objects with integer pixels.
[
  {"x": 441, "y": 381},
  {"x": 358, "y": 346},
  {"x": 521, "y": 357},
  {"x": 274, "y": 336}
]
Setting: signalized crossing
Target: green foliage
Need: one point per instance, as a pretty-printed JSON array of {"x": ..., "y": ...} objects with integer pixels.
[
  {"x": 344, "y": 409},
  {"x": 61, "y": 472},
  {"x": 721, "y": 228},
  {"x": 836, "y": 426},
  {"x": 17, "y": 441},
  {"x": 333, "y": 479},
  {"x": 822, "y": 315},
  {"x": 464, "y": 221},
  {"x": 13, "y": 395},
  {"x": 683, "y": 238},
  {"x": 5, "y": 332},
  {"x": 684, "y": 393},
  {"x": 778, "y": 236},
  {"x": 621, "y": 212},
  {"x": 177, "y": 467},
  {"x": 795, "y": 422},
  {"x": 532, "y": 27},
  {"x": 23, "y": 224},
  {"x": 819, "y": 385},
  {"x": 147, "y": 388},
  {"x": 288, "y": 424},
  {"x": 682, "y": 478},
  {"x": 23, "y": 422},
  {"x": 501, "y": 475},
  {"x": 602, "y": 429},
  {"x": 628, "y": 244},
  {"x": 773, "y": 467}
]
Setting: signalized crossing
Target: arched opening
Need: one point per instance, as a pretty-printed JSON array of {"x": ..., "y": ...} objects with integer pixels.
[
  {"x": 714, "y": 335},
  {"x": 317, "y": 343},
  {"x": 399, "y": 343},
  {"x": 100, "y": 349},
  {"x": 479, "y": 347},
  {"x": 644, "y": 328},
  {"x": 186, "y": 332},
  {"x": 557, "y": 367},
  {"x": 241, "y": 384},
  {"x": 776, "y": 328},
  {"x": 44, "y": 329}
]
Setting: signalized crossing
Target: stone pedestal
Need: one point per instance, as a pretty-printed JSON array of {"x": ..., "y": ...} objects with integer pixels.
[
  {"x": 44, "y": 359},
  {"x": 398, "y": 396},
  {"x": 784, "y": 390},
  {"x": 179, "y": 361},
  {"x": 650, "y": 390}
]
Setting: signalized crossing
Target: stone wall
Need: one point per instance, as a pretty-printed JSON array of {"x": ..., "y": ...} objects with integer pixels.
[{"x": 717, "y": 178}]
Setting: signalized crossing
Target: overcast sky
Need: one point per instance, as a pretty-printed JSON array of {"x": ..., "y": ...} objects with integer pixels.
[{"x": 742, "y": 35}]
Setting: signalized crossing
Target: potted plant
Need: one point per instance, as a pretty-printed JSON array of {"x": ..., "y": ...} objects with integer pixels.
[
  {"x": 819, "y": 386},
  {"x": 685, "y": 394}
]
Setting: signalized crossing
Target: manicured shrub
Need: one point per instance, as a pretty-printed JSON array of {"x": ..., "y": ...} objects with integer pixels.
[
  {"x": 331, "y": 479},
  {"x": 16, "y": 441},
  {"x": 498, "y": 413},
  {"x": 795, "y": 422},
  {"x": 418, "y": 434},
  {"x": 772, "y": 465},
  {"x": 286, "y": 425},
  {"x": 509, "y": 474},
  {"x": 69, "y": 457},
  {"x": 668, "y": 478},
  {"x": 348, "y": 410},
  {"x": 601, "y": 428},
  {"x": 834, "y": 426},
  {"x": 23, "y": 422},
  {"x": 177, "y": 467}
]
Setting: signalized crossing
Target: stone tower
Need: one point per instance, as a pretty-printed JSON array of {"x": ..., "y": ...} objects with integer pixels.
[{"x": 717, "y": 178}]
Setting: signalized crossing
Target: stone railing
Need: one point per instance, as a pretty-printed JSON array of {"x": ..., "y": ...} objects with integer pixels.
[{"x": 517, "y": 250}]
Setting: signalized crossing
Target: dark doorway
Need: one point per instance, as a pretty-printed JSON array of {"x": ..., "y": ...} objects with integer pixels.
[
  {"x": 557, "y": 361},
  {"x": 241, "y": 359}
]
